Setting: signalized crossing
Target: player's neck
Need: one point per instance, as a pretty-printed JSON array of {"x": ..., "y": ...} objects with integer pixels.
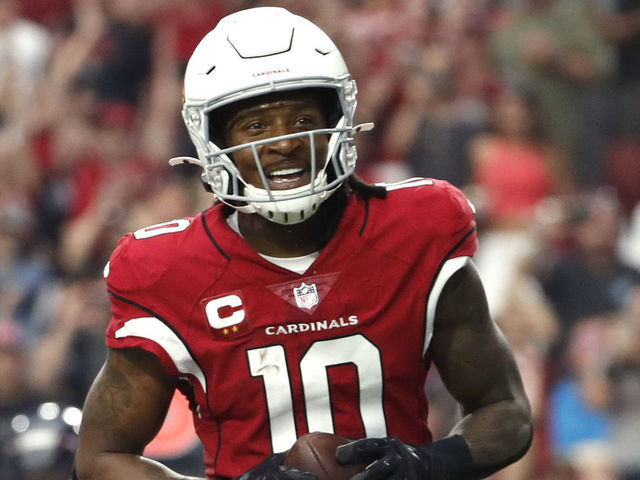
[{"x": 303, "y": 238}]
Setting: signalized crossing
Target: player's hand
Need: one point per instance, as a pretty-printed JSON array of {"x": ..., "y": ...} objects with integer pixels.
[
  {"x": 387, "y": 458},
  {"x": 272, "y": 469}
]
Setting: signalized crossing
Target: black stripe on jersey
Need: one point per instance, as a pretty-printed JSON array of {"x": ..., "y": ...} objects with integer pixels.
[
  {"x": 215, "y": 457},
  {"x": 455, "y": 247},
  {"x": 213, "y": 240},
  {"x": 186, "y": 345},
  {"x": 366, "y": 216},
  {"x": 435, "y": 276}
]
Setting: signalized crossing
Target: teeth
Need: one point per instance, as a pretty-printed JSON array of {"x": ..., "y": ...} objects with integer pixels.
[{"x": 286, "y": 171}]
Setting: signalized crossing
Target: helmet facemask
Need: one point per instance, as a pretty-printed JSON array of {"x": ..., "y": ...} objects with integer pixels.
[{"x": 202, "y": 118}]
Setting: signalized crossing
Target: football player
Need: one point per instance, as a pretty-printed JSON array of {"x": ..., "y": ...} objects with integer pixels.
[{"x": 303, "y": 299}]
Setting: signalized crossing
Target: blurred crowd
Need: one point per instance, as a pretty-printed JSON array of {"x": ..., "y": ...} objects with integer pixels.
[{"x": 532, "y": 107}]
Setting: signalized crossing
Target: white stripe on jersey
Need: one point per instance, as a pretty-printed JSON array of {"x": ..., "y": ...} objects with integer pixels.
[
  {"x": 155, "y": 330},
  {"x": 408, "y": 183},
  {"x": 450, "y": 267}
]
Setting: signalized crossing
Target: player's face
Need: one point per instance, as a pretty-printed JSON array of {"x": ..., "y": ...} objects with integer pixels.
[{"x": 286, "y": 163}]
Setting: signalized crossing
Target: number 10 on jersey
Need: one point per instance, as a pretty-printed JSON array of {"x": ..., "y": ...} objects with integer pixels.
[{"x": 270, "y": 363}]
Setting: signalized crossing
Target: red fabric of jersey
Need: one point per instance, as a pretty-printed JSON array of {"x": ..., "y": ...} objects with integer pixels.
[{"x": 341, "y": 350}]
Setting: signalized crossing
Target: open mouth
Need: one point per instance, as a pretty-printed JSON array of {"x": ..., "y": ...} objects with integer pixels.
[{"x": 287, "y": 178}]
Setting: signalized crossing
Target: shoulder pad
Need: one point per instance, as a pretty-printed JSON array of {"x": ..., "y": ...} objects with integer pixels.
[
  {"x": 141, "y": 258},
  {"x": 441, "y": 205}
]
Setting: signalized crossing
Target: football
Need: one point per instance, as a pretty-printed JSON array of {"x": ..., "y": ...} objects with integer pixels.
[{"x": 316, "y": 453}]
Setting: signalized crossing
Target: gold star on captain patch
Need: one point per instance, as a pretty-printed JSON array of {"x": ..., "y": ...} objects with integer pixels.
[
  {"x": 226, "y": 331},
  {"x": 235, "y": 329}
]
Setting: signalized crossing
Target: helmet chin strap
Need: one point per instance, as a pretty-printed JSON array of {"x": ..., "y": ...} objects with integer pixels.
[
  {"x": 289, "y": 211},
  {"x": 284, "y": 212},
  {"x": 183, "y": 160}
]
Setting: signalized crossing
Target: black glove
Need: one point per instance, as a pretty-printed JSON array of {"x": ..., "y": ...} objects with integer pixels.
[
  {"x": 387, "y": 458},
  {"x": 272, "y": 469},
  {"x": 390, "y": 458}
]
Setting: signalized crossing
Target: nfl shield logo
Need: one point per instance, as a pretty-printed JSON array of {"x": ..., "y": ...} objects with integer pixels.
[{"x": 306, "y": 295}]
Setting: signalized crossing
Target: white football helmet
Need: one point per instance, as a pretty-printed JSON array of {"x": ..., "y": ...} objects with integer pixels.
[{"x": 255, "y": 52}]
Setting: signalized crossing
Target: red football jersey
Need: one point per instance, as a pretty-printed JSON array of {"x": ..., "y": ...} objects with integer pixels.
[{"x": 270, "y": 354}]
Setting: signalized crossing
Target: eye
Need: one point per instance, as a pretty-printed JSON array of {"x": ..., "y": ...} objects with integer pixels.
[
  {"x": 305, "y": 121},
  {"x": 255, "y": 126}
]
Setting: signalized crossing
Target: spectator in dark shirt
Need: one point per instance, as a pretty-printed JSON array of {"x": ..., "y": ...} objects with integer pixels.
[{"x": 591, "y": 279}]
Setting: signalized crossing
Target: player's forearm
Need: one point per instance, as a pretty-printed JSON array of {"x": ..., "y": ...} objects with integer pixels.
[
  {"x": 497, "y": 434},
  {"x": 118, "y": 466}
]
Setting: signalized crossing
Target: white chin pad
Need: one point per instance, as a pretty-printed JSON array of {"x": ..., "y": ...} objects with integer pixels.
[
  {"x": 280, "y": 209},
  {"x": 289, "y": 212}
]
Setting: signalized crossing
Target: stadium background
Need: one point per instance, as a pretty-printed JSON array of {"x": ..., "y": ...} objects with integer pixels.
[{"x": 531, "y": 107}]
